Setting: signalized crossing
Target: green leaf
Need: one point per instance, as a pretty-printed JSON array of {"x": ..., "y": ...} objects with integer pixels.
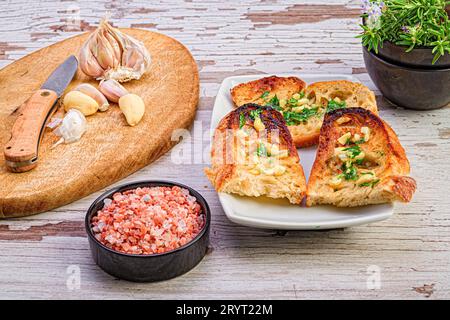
[
  {"x": 292, "y": 101},
  {"x": 265, "y": 94},
  {"x": 334, "y": 105},
  {"x": 436, "y": 57},
  {"x": 261, "y": 150},
  {"x": 369, "y": 183},
  {"x": 255, "y": 113},
  {"x": 296, "y": 118},
  {"x": 241, "y": 120},
  {"x": 349, "y": 172},
  {"x": 274, "y": 103},
  {"x": 353, "y": 151}
]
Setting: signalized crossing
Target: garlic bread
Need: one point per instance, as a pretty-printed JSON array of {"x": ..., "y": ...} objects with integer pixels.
[
  {"x": 266, "y": 91},
  {"x": 253, "y": 155},
  {"x": 359, "y": 161},
  {"x": 304, "y": 107}
]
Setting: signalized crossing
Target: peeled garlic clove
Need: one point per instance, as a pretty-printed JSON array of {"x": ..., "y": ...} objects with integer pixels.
[
  {"x": 112, "y": 90},
  {"x": 133, "y": 108},
  {"x": 110, "y": 54},
  {"x": 80, "y": 101},
  {"x": 73, "y": 126},
  {"x": 95, "y": 94}
]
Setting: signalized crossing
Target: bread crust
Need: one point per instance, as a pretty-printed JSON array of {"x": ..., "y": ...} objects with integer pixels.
[
  {"x": 251, "y": 92},
  {"x": 392, "y": 166},
  {"x": 229, "y": 175},
  {"x": 306, "y": 135}
]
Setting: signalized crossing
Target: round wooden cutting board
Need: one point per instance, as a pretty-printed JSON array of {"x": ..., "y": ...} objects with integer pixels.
[{"x": 110, "y": 149}]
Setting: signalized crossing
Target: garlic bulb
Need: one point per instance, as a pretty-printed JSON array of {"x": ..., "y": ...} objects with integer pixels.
[
  {"x": 110, "y": 54},
  {"x": 72, "y": 127}
]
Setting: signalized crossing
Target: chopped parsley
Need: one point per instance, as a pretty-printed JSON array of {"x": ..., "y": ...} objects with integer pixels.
[
  {"x": 241, "y": 120},
  {"x": 261, "y": 150},
  {"x": 370, "y": 184},
  {"x": 292, "y": 101},
  {"x": 255, "y": 113},
  {"x": 334, "y": 105},
  {"x": 265, "y": 94},
  {"x": 295, "y": 118},
  {"x": 353, "y": 151},
  {"x": 349, "y": 171},
  {"x": 274, "y": 103}
]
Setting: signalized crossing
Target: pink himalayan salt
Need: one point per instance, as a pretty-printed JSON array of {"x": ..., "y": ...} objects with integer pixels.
[{"x": 148, "y": 220}]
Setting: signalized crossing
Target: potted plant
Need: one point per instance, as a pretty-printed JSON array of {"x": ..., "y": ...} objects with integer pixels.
[{"x": 406, "y": 46}]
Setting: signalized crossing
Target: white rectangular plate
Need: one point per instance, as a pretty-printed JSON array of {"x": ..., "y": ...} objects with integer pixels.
[{"x": 264, "y": 212}]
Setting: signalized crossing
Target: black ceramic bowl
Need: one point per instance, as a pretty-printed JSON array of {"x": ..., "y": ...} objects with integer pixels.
[
  {"x": 154, "y": 267},
  {"x": 421, "y": 57},
  {"x": 408, "y": 87}
]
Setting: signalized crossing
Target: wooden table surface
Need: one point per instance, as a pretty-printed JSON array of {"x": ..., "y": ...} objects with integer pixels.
[{"x": 44, "y": 256}]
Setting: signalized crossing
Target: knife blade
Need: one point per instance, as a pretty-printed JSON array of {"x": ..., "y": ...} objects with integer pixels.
[{"x": 21, "y": 151}]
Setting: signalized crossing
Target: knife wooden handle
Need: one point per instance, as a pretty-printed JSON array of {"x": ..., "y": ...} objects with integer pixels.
[{"x": 21, "y": 151}]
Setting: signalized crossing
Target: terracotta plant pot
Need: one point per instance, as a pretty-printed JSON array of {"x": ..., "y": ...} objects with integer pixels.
[{"x": 409, "y": 87}]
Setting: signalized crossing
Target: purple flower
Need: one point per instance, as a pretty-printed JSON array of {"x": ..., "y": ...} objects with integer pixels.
[
  {"x": 365, "y": 5},
  {"x": 405, "y": 29},
  {"x": 372, "y": 8},
  {"x": 373, "y": 11}
]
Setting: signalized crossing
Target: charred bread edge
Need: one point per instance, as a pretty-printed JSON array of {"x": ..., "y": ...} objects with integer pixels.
[{"x": 404, "y": 186}]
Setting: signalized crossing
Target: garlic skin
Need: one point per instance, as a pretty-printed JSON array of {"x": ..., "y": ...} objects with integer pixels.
[
  {"x": 110, "y": 54},
  {"x": 95, "y": 94},
  {"x": 112, "y": 90},
  {"x": 72, "y": 127}
]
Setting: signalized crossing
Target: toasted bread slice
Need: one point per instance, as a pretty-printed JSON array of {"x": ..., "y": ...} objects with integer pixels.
[
  {"x": 304, "y": 107},
  {"x": 253, "y": 155},
  {"x": 359, "y": 161},
  {"x": 261, "y": 91}
]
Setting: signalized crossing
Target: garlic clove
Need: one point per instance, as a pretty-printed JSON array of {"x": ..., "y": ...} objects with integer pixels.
[
  {"x": 133, "y": 108},
  {"x": 105, "y": 53},
  {"x": 131, "y": 58},
  {"x": 80, "y": 101},
  {"x": 95, "y": 94},
  {"x": 112, "y": 90},
  {"x": 88, "y": 63},
  {"x": 110, "y": 54},
  {"x": 116, "y": 47}
]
